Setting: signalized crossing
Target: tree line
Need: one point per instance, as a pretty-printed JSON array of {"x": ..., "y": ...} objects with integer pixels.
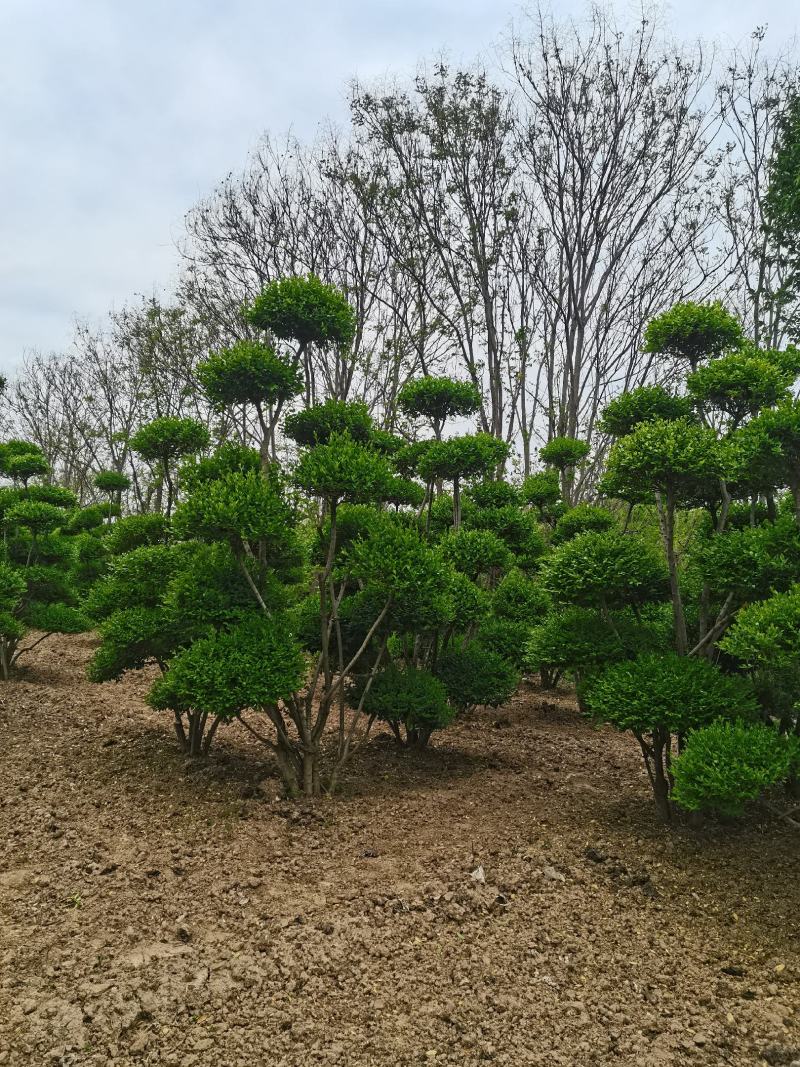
[{"x": 515, "y": 227}]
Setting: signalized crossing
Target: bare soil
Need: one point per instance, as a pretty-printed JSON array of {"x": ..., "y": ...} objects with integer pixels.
[{"x": 153, "y": 912}]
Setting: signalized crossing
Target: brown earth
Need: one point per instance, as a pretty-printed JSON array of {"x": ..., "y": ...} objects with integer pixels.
[{"x": 155, "y": 913}]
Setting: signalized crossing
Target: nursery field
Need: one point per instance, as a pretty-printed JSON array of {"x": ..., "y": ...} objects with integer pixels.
[{"x": 504, "y": 897}]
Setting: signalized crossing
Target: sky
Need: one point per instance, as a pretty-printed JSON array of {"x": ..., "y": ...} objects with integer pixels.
[{"x": 115, "y": 118}]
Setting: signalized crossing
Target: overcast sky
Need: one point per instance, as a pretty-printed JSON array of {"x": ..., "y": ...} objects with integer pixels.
[{"x": 116, "y": 117}]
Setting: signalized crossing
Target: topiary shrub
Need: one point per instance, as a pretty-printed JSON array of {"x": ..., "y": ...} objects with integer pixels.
[
  {"x": 693, "y": 332},
  {"x": 437, "y": 400},
  {"x": 519, "y": 598},
  {"x": 474, "y": 676},
  {"x": 605, "y": 570},
  {"x": 507, "y": 637},
  {"x": 411, "y": 700},
  {"x": 306, "y": 310},
  {"x": 543, "y": 491},
  {"x": 583, "y": 518},
  {"x": 727, "y": 765},
  {"x": 252, "y": 665},
  {"x": 625, "y": 412},
  {"x": 658, "y": 695},
  {"x": 136, "y": 530},
  {"x": 476, "y": 553}
]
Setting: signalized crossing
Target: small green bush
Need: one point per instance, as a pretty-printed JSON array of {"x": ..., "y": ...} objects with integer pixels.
[
  {"x": 728, "y": 764},
  {"x": 583, "y": 518},
  {"x": 475, "y": 676},
  {"x": 410, "y": 700}
]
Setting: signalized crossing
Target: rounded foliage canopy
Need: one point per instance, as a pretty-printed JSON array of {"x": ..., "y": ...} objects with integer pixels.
[
  {"x": 252, "y": 665},
  {"x": 166, "y": 439},
  {"x": 306, "y": 310},
  {"x": 727, "y": 764},
  {"x": 438, "y": 399},
  {"x": 248, "y": 373},
  {"x": 564, "y": 452},
  {"x": 316, "y": 424},
  {"x": 626, "y": 411},
  {"x": 605, "y": 569},
  {"x": 693, "y": 332},
  {"x": 665, "y": 691},
  {"x": 112, "y": 481},
  {"x": 462, "y": 457}
]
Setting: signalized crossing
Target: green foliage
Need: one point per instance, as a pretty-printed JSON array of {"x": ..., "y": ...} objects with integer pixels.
[
  {"x": 320, "y": 423},
  {"x": 728, "y": 764},
  {"x": 475, "y": 676},
  {"x": 438, "y": 399},
  {"x": 252, "y": 665},
  {"x": 169, "y": 438},
  {"x": 542, "y": 490},
  {"x": 238, "y": 508},
  {"x": 12, "y": 587},
  {"x": 305, "y": 310},
  {"x": 134, "y": 531},
  {"x": 664, "y": 691},
  {"x": 583, "y": 518},
  {"x": 563, "y": 453},
  {"x": 767, "y": 633},
  {"x": 343, "y": 469},
  {"x": 89, "y": 518},
  {"x": 137, "y": 579},
  {"x": 507, "y": 638},
  {"x": 516, "y": 528},
  {"x": 580, "y": 640},
  {"x": 739, "y": 384},
  {"x": 469, "y": 603},
  {"x": 494, "y": 493},
  {"x": 398, "y": 568},
  {"x": 36, "y": 517},
  {"x": 519, "y": 598},
  {"x": 57, "y": 495},
  {"x": 22, "y": 468},
  {"x": 782, "y": 200},
  {"x": 229, "y": 458},
  {"x": 605, "y": 570},
  {"x": 409, "y": 697},
  {"x": 130, "y": 639},
  {"x": 693, "y": 332},
  {"x": 468, "y": 456},
  {"x": 56, "y": 618},
  {"x": 628, "y": 410},
  {"x": 112, "y": 481},
  {"x": 666, "y": 456},
  {"x": 248, "y": 373},
  {"x": 402, "y": 492},
  {"x": 753, "y": 561},
  {"x": 11, "y": 449},
  {"x": 475, "y": 553}
]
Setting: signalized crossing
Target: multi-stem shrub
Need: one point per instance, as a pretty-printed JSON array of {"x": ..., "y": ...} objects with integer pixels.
[
  {"x": 411, "y": 700},
  {"x": 475, "y": 675},
  {"x": 658, "y": 695}
]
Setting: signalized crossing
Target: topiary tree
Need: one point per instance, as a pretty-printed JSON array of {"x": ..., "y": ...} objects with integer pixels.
[
  {"x": 474, "y": 676},
  {"x": 727, "y": 765},
  {"x": 658, "y": 695},
  {"x": 114, "y": 484},
  {"x": 316, "y": 424},
  {"x": 779, "y": 427},
  {"x": 583, "y": 518},
  {"x": 253, "y": 665},
  {"x": 437, "y": 400},
  {"x": 739, "y": 385},
  {"x": 162, "y": 443},
  {"x": 628, "y": 410},
  {"x": 564, "y": 454},
  {"x": 693, "y": 332},
  {"x": 670, "y": 459},
  {"x": 250, "y": 374},
  {"x": 411, "y": 701},
  {"x": 605, "y": 571},
  {"x": 479, "y": 554},
  {"x": 458, "y": 458},
  {"x": 305, "y": 310},
  {"x": 543, "y": 491}
]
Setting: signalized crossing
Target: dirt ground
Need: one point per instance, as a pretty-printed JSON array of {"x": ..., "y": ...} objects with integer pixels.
[{"x": 155, "y": 913}]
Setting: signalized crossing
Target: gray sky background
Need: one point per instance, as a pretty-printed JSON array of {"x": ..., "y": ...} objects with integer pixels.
[{"x": 116, "y": 117}]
